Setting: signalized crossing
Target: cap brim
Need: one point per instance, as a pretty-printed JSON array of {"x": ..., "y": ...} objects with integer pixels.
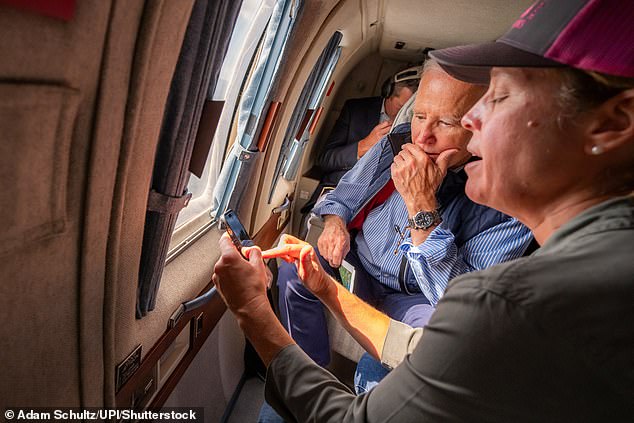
[{"x": 472, "y": 63}]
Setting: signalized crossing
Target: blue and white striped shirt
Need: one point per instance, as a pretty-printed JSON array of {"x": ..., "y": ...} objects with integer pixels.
[{"x": 471, "y": 237}]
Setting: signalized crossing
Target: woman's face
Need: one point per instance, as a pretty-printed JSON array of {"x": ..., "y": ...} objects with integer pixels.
[{"x": 529, "y": 160}]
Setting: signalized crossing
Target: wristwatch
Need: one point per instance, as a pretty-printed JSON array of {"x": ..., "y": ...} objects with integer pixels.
[{"x": 424, "y": 219}]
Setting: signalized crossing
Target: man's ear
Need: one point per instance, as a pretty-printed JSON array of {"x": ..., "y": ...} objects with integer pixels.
[{"x": 612, "y": 124}]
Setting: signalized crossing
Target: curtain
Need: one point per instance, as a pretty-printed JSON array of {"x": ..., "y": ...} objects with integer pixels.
[{"x": 202, "y": 54}]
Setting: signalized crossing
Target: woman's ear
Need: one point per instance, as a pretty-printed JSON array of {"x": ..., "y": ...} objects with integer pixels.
[{"x": 612, "y": 124}]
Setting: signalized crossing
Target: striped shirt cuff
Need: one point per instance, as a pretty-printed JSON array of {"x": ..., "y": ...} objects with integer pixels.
[
  {"x": 434, "y": 249},
  {"x": 328, "y": 207}
]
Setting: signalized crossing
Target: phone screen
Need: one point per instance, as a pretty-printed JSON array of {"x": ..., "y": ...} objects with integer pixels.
[{"x": 236, "y": 230}]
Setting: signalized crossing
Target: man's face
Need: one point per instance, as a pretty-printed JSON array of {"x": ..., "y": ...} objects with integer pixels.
[
  {"x": 396, "y": 102},
  {"x": 528, "y": 158},
  {"x": 440, "y": 103}
]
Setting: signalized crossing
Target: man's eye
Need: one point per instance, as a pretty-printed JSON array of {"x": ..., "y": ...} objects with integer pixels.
[
  {"x": 420, "y": 117},
  {"x": 445, "y": 123}
]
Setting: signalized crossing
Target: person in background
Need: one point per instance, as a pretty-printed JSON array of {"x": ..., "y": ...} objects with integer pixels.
[
  {"x": 360, "y": 125},
  {"x": 547, "y": 337}
]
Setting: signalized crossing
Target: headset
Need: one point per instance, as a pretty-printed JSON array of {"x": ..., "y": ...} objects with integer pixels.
[{"x": 387, "y": 89}]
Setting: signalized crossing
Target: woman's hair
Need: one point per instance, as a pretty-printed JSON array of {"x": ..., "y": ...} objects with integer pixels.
[{"x": 583, "y": 90}]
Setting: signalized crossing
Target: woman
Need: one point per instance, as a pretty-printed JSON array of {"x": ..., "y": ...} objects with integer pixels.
[{"x": 547, "y": 337}]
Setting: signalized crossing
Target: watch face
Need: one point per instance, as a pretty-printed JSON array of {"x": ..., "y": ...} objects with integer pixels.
[{"x": 424, "y": 219}]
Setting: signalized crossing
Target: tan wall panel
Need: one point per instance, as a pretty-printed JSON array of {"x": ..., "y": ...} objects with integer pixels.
[
  {"x": 163, "y": 27},
  {"x": 39, "y": 340}
]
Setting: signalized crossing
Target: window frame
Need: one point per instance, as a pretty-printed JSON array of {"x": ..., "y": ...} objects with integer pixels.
[
  {"x": 195, "y": 224},
  {"x": 297, "y": 134}
]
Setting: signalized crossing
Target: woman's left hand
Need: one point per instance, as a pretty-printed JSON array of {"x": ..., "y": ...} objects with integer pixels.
[{"x": 309, "y": 270}]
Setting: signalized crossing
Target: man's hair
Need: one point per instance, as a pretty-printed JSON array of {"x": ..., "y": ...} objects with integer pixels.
[
  {"x": 431, "y": 64},
  {"x": 412, "y": 84}
]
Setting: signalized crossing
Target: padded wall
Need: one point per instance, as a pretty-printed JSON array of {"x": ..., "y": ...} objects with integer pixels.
[{"x": 77, "y": 99}]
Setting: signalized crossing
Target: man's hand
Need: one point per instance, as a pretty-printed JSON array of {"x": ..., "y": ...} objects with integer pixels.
[
  {"x": 378, "y": 132},
  {"x": 242, "y": 284},
  {"x": 334, "y": 241},
  {"x": 417, "y": 177}
]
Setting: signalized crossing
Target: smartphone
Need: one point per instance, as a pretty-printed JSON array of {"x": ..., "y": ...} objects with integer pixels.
[
  {"x": 398, "y": 140},
  {"x": 229, "y": 221}
]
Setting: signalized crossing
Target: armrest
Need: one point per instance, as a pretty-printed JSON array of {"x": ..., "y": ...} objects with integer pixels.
[
  {"x": 315, "y": 228},
  {"x": 340, "y": 340}
]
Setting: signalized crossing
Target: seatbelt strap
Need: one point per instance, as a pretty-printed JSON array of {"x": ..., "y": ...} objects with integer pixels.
[{"x": 401, "y": 277}]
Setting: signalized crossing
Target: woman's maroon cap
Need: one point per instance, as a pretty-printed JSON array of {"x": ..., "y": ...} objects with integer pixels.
[{"x": 593, "y": 35}]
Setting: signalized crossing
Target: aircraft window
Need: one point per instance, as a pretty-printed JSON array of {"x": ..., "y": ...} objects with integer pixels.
[
  {"x": 247, "y": 34},
  {"x": 243, "y": 151},
  {"x": 306, "y": 112}
]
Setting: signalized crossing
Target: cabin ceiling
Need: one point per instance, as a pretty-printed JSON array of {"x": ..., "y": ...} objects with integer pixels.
[{"x": 443, "y": 23}]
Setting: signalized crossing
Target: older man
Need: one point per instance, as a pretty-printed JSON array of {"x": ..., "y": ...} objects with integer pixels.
[
  {"x": 362, "y": 123},
  {"x": 415, "y": 228}
]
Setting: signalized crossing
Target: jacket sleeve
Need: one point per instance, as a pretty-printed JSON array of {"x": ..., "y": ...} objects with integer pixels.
[
  {"x": 340, "y": 152},
  {"x": 359, "y": 184},
  {"x": 400, "y": 341},
  {"x": 448, "y": 377}
]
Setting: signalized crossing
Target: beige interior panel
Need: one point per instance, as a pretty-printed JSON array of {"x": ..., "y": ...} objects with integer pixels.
[
  {"x": 303, "y": 54},
  {"x": 164, "y": 24},
  {"x": 74, "y": 274},
  {"x": 39, "y": 338},
  {"x": 114, "y": 82},
  {"x": 211, "y": 378},
  {"x": 440, "y": 23},
  {"x": 38, "y": 122}
]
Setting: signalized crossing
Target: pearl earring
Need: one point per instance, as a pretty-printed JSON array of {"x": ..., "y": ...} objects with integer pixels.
[{"x": 596, "y": 150}]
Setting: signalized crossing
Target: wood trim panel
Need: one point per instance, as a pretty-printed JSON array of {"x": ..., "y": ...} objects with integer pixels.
[
  {"x": 130, "y": 394},
  {"x": 313, "y": 125},
  {"x": 267, "y": 128},
  {"x": 269, "y": 232},
  {"x": 304, "y": 124},
  {"x": 207, "y": 126}
]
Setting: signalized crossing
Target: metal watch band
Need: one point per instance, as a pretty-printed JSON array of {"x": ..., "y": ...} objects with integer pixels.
[{"x": 424, "y": 219}]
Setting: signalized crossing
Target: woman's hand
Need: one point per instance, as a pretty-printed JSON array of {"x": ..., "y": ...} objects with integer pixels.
[{"x": 309, "y": 270}]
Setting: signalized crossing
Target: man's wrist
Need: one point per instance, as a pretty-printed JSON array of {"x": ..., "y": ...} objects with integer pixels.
[
  {"x": 264, "y": 330},
  {"x": 254, "y": 310},
  {"x": 334, "y": 219},
  {"x": 423, "y": 204},
  {"x": 424, "y": 220},
  {"x": 361, "y": 148}
]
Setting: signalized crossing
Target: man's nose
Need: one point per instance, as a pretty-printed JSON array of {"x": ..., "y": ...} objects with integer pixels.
[{"x": 426, "y": 134}]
